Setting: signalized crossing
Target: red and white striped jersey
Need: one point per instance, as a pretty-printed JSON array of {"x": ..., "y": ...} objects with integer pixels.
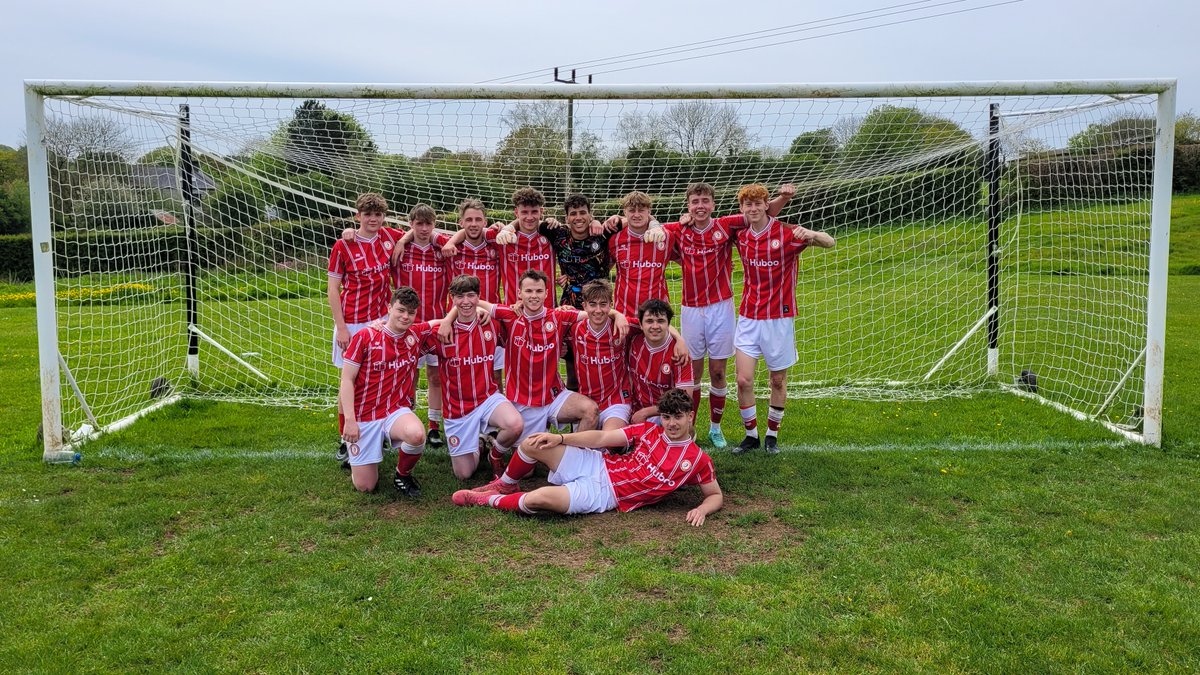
[
  {"x": 531, "y": 357},
  {"x": 641, "y": 270},
  {"x": 769, "y": 262},
  {"x": 365, "y": 269},
  {"x": 600, "y": 364},
  {"x": 652, "y": 370},
  {"x": 466, "y": 366},
  {"x": 387, "y": 369},
  {"x": 428, "y": 272},
  {"x": 531, "y": 251},
  {"x": 655, "y": 467},
  {"x": 706, "y": 256},
  {"x": 482, "y": 261}
]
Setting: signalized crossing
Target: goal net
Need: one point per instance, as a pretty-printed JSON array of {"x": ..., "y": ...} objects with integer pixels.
[{"x": 987, "y": 238}]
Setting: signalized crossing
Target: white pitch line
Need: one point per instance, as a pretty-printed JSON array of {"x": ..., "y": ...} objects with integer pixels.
[{"x": 134, "y": 457}]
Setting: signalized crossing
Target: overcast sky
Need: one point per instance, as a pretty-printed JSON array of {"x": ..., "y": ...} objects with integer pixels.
[{"x": 475, "y": 40}]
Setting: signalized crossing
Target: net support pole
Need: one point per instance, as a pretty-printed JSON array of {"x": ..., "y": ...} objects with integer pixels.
[
  {"x": 1160, "y": 234},
  {"x": 43, "y": 280},
  {"x": 992, "y": 172},
  {"x": 570, "y": 147},
  {"x": 187, "y": 171}
]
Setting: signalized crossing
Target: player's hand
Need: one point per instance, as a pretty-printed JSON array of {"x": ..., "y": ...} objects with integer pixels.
[
  {"x": 449, "y": 250},
  {"x": 552, "y": 223},
  {"x": 377, "y": 324},
  {"x": 350, "y": 435},
  {"x": 596, "y": 228},
  {"x": 685, "y": 219},
  {"x": 506, "y": 236},
  {"x": 398, "y": 253},
  {"x": 484, "y": 316},
  {"x": 695, "y": 517},
  {"x": 445, "y": 332},
  {"x": 787, "y": 190},
  {"x": 654, "y": 234},
  {"x": 800, "y": 233},
  {"x": 620, "y": 328},
  {"x": 348, "y": 234},
  {"x": 613, "y": 223},
  {"x": 543, "y": 440},
  {"x": 680, "y": 356},
  {"x": 342, "y": 337}
]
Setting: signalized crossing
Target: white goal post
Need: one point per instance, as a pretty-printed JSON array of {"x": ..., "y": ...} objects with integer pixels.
[{"x": 993, "y": 236}]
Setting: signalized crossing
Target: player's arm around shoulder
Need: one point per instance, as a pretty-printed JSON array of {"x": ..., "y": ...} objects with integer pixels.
[
  {"x": 714, "y": 499},
  {"x": 802, "y": 234}
]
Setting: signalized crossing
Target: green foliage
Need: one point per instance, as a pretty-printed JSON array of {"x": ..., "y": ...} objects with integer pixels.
[
  {"x": 14, "y": 165},
  {"x": 535, "y": 156},
  {"x": 237, "y": 201},
  {"x": 14, "y": 207},
  {"x": 1114, "y": 135},
  {"x": 1187, "y": 129},
  {"x": 893, "y": 133},
  {"x": 1057, "y": 178},
  {"x": 820, "y": 144},
  {"x": 16, "y": 257},
  {"x": 1186, "y": 174},
  {"x": 161, "y": 156},
  {"x": 324, "y": 140}
]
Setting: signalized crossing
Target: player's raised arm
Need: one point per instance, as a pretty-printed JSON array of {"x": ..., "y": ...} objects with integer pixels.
[
  {"x": 714, "y": 499},
  {"x": 775, "y": 206}
]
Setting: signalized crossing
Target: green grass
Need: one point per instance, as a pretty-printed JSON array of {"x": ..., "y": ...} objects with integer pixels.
[{"x": 962, "y": 534}]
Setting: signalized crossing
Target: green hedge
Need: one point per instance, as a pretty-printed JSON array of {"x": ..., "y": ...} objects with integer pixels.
[
  {"x": 16, "y": 257},
  {"x": 1072, "y": 178},
  {"x": 1187, "y": 168}
]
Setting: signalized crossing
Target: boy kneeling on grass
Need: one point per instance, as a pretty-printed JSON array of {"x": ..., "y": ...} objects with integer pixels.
[{"x": 659, "y": 461}]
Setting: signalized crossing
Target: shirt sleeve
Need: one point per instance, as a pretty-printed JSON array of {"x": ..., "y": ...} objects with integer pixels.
[
  {"x": 337, "y": 260},
  {"x": 704, "y": 473},
  {"x": 733, "y": 223},
  {"x": 790, "y": 239},
  {"x": 566, "y": 317},
  {"x": 634, "y": 432},
  {"x": 356, "y": 351}
]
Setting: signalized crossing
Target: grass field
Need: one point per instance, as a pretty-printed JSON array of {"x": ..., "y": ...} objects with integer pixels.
[{"x": 983, "y": 534}]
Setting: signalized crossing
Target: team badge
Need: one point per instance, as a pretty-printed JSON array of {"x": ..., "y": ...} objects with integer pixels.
[
  {"x": 491, "y": 253},
  {"x": 660, "y": 245},
  {"x": 595, "y": 246},
  {"x": 410, "y": 340},
  {"x": 354, "y": 450},
  {"x": 543, "y": 241},
  {"x": 717, "y": 236},
  {"x": 454, "y": 441},
  {"x": 548, "y": 326},
  {"x": 774, "y": 243},
  {"x": 487, "y": 335},
  {"x": 685, "y": 465},
  {"x": 666, "y": 369},
  {"x": 513, "y": 257},
  {"x": 387, "y": 245},
  {"x": 518, "y": 340}
]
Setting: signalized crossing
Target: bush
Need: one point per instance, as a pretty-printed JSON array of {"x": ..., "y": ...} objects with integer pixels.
[
  {"x": 14, "y": 207},
  {"x": 1065, "y": 177},
  {"x": 1187, "y": 169},
  {"x": 16, "y": 257}
]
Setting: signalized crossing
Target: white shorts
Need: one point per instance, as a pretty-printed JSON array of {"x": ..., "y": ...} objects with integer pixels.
[
  {"x": 371, "y": 437},
  {"x": 499, "y": 362},
  {"x": 708, "y": 330},
  {"x": 621, "y": 411},
  {"x": 427, "y": 360},
  {"x": 772, "y": 340},
  {"x": 462, "y": 433},
  {"x": 585, "y": 476},
  {"x": 337, "y": 353},
  {"x": 539, "y": 418}
]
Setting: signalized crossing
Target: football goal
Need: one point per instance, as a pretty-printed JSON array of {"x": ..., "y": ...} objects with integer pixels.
[{"x": 992, "y": 236}]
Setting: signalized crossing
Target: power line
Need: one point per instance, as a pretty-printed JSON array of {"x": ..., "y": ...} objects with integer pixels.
[{"x": 699, "y": 42}]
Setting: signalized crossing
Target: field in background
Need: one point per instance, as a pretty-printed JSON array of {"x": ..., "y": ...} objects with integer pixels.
[{"x": 988, "y": 533}]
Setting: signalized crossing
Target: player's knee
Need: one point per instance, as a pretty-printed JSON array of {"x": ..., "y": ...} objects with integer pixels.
[
  {"x": 717, "y": 379},
  {"x": 537, "y": 501},
  {"x": 413, "y": 435},
  {"x": 745, "y": 380},
  {"x": 778, "y": 380},
  {"x": 463, "y": 473},
  {"x": 365, "y": 483},
  {"x": 590, "y": 416}
]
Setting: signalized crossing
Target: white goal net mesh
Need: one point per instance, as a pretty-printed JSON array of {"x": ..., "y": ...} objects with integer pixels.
[{"x": 887, "y": 314}]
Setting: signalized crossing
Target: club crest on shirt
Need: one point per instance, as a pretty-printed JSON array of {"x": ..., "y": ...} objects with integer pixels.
[
  {"x": 387, "y": 245},
  {"x": 595, "y": 246},
  {"x": 660, "y": 245},
  {"x": 543, "y": 241},
  {"x": 666, "y": 368},
  {"x": 410, "y": 340},
  {"x": 717, "y": 236},
  {"x": 774, "y": 243},
  {"x": 685, "y": 464},
  {"x": 454, "y": 441},
  {"x": 487, "y": 335},
  {"x": 548, "y": 326},
  {"x": 491, "y": 253}
]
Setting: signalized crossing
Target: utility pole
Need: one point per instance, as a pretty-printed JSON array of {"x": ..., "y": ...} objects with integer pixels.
[{"x": 570, "y": 125}]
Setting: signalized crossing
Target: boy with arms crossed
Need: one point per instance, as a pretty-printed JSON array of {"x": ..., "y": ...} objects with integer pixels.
[
  {"x": 360, "y": 274},
  {"x": 378, "y": 385},
  {"x": 770, "y": 252},
  {"x": 660, "y": 461},
  {"x": 703, "y": 247}
]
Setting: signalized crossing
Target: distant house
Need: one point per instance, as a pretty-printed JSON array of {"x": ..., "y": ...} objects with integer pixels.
[{"x": 164, "y": 178}]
